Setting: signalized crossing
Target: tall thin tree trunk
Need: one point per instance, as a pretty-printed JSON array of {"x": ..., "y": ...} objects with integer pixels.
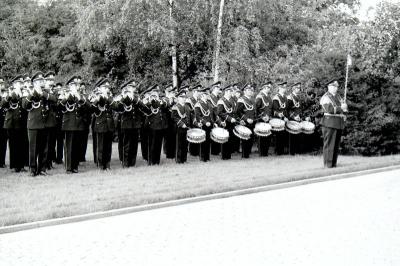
[
  {"x": 173, "y": 47},
  {"x": 218, "y": 43}
]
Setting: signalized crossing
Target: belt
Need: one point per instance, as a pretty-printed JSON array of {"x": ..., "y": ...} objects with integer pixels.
[{"x": 335, "y": 115}]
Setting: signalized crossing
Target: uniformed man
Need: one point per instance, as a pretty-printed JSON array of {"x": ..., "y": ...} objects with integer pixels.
[
  {"x": 213, "y": 99},
  {"x": 155, "y": 109},
  {"x": 37, "y": 115},
  {"x": 144, "y": 131},
  {"x": 51, "y": 120},
  {"x": 15, "y": 124},
  {"x": 58, "y": 91},
  {"x": 129, "y": 106},
  {"x": 227, "y": 120},
  {"x": 295, "y": 111},
  {"x": 334, "y": 108},
  {"x": 86, "y": 122},
  {"x": 194, "y": 148},
  {"x": 236, "y": 94},
  {"x": 170, "y": 132},
  {"x": 263, "y": 114},
  {"x": 3, "y": 131},
  {"x": 181, "y": 116},
  {"x": 74, "y": 107},
  {"x": 204, "y": 119},
  {"x": 246, "y": 113},
  {"x": 103, "y": 124},
  {"x": 280, "y": 111}
]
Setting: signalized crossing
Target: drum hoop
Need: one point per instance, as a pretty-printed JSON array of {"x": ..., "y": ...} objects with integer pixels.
[{"x": 239, "y": 136}]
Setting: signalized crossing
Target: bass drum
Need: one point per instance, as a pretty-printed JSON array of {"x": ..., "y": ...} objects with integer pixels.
[
  {"x": 196, "y": 135},
  {"x": 242, "y": 132},
  {"x": 219, "y": 135}
]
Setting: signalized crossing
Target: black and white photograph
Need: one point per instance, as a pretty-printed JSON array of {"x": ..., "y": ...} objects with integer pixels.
[{"x": 199, "y": 132}]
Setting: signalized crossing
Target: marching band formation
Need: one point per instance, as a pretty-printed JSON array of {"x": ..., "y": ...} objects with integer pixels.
[{"x": 46, "y": 122}]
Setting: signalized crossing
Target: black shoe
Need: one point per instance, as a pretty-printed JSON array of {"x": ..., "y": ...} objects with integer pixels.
[
  {"x": 3, "y": 166},
  {"x": 69, "y": 172},
  {"x": 43, "y": 173},
  {"x": 32, "y": 174},
  {"x": 59, "y": 161},
  {"x": 75, "y": 171}
]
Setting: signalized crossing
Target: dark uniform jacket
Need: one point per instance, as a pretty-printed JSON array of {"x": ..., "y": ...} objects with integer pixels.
[
  {"x": 50, "y": 105},
  {"x": 225, "y": 112},
  {"x": 263, "y": 107},
  {"x": 280, "y": 106},
  {"x": 181, "y": 115},
  {"x": 74, "y": 118},
  {"x": 333, "y": 114},
  {"x": 155, "y": 114},
  {"x": 295, "y": 106},
  {"x": 12, "y": 116},
  {"x": 37, "y": 111},
  {"x": 103, "y": 119},
  {"x": 130, "y": 114},
  {"x": 204, "y": 113},
  {"x": 245, "y": 109}
]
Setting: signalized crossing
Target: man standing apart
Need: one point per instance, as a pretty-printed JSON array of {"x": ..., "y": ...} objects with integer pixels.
[{"x": 332, "y": 122}]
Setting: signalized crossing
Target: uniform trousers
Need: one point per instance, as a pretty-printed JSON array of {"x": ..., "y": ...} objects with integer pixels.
[
  {"x": 16, "y": 148},
  {"x": 51, "y": 146},
  {"x": 205, "y": 146},
  {"x": 155, "y": 145},
  {"x": 104, "y": 148},
  {"x": 170, "y": 142},
  {"x": 181, "y": 145},
  {"x": 144, "y": 142},
  {"x": 84, "y": 137},
  {"x": 246, "y": 147},
  {"x": 281, "y": 139},
  {"x": 3, "y": 146},
  {"x": 194, "y": 149},
  {"x": 130, "y": 138},
  {"x": 60, "y": 144},
  {"x": 215, "y": 148},
  {"x": 294, "y": 143},
  {"x": 227, "y": 148},
  {"x": 263, "y": 145},
  {"x": 37, "y": 150},
  {"x": 331, "y": 138},
  {"x": 72, "y": 143}
]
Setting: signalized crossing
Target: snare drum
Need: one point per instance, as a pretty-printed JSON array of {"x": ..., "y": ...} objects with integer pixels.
[
  {"x": 242, "y": 132},
  {"x": 262, "y": 129},
  {"x": 293, "y": 127},
  {"x": 196, "y": 135},
  {"x": 307, "y": 127},
  {"x": 277, "y": 124},
  {"x": 219, "y": 135}
]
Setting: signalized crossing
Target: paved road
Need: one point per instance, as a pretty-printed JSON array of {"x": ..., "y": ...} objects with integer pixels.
[{"x": 345, "y": 222}]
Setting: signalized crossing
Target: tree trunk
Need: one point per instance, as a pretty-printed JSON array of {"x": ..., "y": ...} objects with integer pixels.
[
  {"x": 173, "y": 48},
  {"x": 218, "y": 43}
]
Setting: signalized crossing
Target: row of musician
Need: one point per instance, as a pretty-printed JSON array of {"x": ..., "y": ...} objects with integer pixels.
[{"x": 199, "y": 120}]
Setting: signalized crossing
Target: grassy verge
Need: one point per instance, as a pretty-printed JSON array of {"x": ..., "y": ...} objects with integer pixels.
[{"x": 26, "y": 199}]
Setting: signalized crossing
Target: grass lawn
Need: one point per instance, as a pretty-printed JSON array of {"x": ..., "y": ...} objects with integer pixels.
[{"x": 26, "y": 199}]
